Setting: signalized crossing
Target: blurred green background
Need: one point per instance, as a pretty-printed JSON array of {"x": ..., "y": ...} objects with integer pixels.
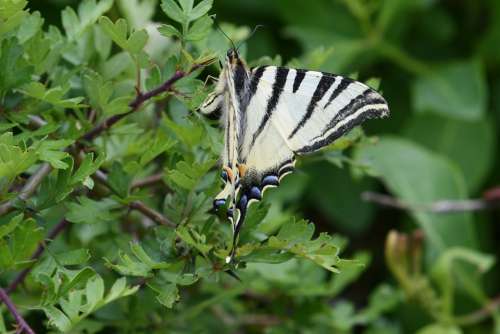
[{"x": 438, "y": 63}]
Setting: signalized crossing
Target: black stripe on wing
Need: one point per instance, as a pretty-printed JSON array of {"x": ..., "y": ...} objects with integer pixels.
[
  {"x": 298, "y": 79},
  {"x": 278, "y": 85},
  {"x": 323, "y": 85},
  {"x": 369, "y": 99}
]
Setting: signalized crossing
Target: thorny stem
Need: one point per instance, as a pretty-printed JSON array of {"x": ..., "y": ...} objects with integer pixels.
[{"x": 23, "y": 325}]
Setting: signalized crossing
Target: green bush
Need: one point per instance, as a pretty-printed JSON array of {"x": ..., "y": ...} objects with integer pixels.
[{"x": 108, "y": 172}]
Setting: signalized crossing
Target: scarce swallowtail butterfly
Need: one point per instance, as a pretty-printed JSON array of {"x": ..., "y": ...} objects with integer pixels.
[{"x": 272, "y": 114}]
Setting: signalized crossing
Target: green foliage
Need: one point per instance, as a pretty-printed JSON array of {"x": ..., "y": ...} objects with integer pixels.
[{"x": 113, "y": 178}]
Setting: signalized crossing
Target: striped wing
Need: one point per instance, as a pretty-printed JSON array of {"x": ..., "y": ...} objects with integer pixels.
[{"x": 297, "y": 112}]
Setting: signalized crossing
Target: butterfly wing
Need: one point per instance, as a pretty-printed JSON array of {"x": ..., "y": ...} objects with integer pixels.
[{"x": 292, "y": 112}]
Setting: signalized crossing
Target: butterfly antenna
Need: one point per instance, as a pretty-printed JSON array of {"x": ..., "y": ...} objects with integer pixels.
[
  {"x": 249, "y": 36},
  {"x": 222, "y": 31}
]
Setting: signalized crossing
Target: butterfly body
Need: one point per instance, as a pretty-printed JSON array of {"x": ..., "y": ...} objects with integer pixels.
[{"x": 272, "y": 114}]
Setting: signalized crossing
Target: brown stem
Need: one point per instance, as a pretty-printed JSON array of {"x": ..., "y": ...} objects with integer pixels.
[
  {"x": 442, "y": 206},
  {"x": 136, "y": 104},
  {"x": 150, "y": 213},
  {"x": 23, "y": 325},
  {"x": 38, "y": 252},
  {"x": 148, "y": 181},
  {"x": 481, "y": 314}
]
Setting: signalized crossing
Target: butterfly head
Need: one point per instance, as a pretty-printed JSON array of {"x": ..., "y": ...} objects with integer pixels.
[{"x": 232, "y": 57}]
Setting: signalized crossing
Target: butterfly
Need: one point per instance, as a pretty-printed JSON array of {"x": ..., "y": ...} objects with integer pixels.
[{"x": 272, "y": 114}]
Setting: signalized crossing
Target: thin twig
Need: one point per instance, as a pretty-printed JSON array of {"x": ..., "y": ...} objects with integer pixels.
[
  {"x": 479, "y": 315},
  {"x": 28, "y": 189},
  {"x": 150, "y": 213},
  {"x": 136, "y": 104},
  {"x": 23, "y": 325},
  {"x": 442, "y": 206},
  {"x": 148, "y": 181},
  {"x": 56, "y": 230}
]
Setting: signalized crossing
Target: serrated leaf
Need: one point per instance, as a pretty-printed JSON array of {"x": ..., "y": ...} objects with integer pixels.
[
  {"x": 172, "y": 9},
  {"x": 50, "y": 151},
  {"x": 200, "y": 29},
  {"x": 137, "y": 41},
  {"x": 6, "y": 229},
  {"x": 29, "y": 27},
  {"x": 13, "y": 159},
  {"x": 88, "y": 211},
  {"x": 168, "y": 30},
  {"x": 88, "y": 13},
  {"x": 73, "y": 257},
  {"x": 14, "y": 69},
  {"x": 119, "y": 180},
  {"x": 94, "y": 291},
  {"x": 168, "y": 296},
  {"x": 120, "y": 289},
  {"x": 87, "y": 167},
  {"x": 57, "y": 318},
  {"x": 200, "y": 9},
  {"x": 117, "y": 31},
  {"x": 192, "y": 238}
]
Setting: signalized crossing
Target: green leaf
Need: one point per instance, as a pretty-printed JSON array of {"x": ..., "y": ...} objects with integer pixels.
[
  {"x": 137, "y": 41},
  {"x": 53, "y": 95},
  {"x": 119, "y": 290},
  {"x": 13, "y": 159},
  {"x": 168, "y": 296},
  {"x": 199, "y": 30},
  {"x": 439, "y": 329},
  {"x": 94, "y": 292},
  {"x": 88, "y": 13},
  {"x": 88, "y": 166},
  {"x": 168, "y": 30},
  {"x": 139, "y": 263},
  {"x": 119, "y": 180},
  {"x": 11, "y": 15},
  {"x": 404, "y": 166},
  {"x": 6, "y": 229},
  {"x": 201, "y": 9},
  {"x": 172, "y": 9},
  {"x": 117, "y": 31},
  {"x": 188, "y": 176},
  {"x": 22, "y": 242},
  {"x": 193, "y": 238},
  {"x": 29, "y": 27},
  {"x": 294, "y": 237},
  {"x": 138, "y": 12},
  {"x": 459, "y": 141},
  {"x": 57, "y": 318},
  {"x": 14, "y": 69},
  {"x": 50, "y": 151},
  {"x": 88, "y": 211},
  {"x": 456, "y": 90},
  {"x": 73, "y": 257}
]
